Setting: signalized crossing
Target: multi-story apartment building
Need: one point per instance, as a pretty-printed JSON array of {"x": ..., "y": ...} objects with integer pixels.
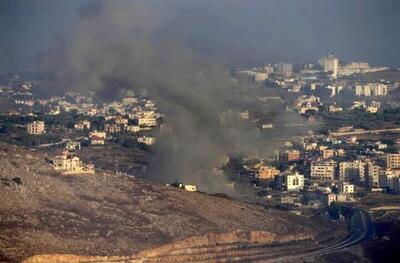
[
  {"x": 352, "y": 171},
  {"x": 36, "y": 127},
  {"x": 372, "y": 175},
  {"x": 323, "y": 170},
  {"x": 393, "y": 160},
  {"x": 147, "y": 119},
  {"x": 294, "y": 182},
  {"x": 330, "y": 64},
  {"x": 371, "y": 89}
]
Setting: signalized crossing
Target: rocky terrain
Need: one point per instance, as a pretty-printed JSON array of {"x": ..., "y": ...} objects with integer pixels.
[{"x": 45, "y": 213}]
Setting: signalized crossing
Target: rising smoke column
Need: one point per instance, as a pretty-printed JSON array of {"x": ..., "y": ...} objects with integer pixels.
[{"x": 121, "y": 42}]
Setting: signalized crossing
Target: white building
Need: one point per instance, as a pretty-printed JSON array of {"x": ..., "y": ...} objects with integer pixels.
[
  {"x": 147, "y": 140},
  {"x": 70, "y": 164},
  {"x": 294, "y": 182},
  {"x": 371, "y": 89},
  {"x": 147, "y": 119},
  {"x": 72, "y": 145},
  {"x": 330, "y": 63},
  {"x": 132, "y": 128},
  {"x": 82, "y": 125},
  {"x": 190, "y": 188},
  {"x": 36, "y": 127},
  {"x": 346, "y": 188}
]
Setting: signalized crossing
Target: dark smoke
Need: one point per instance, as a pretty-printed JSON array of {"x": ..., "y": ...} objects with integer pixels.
[{"x": 118, "y": 45}]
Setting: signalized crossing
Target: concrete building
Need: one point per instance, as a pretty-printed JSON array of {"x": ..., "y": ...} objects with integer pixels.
[
  {"x": 346, "y": 188},
  {"x": 323, "y": 170},
  {"x": 294, "y": 182},
  {"x": 36, "y": 127},
  {"x": 352, "y": 171},
  {"x": 284, "y": 68},
  {"x": 190, "y": 188},
  {"x": 289, "y": 156},
  {"x": 72, "y": 145},
  {"x": 387, "y": 177},
  {"x": 328, "y": 153},
  {"x": 330, "y": 64},
  {"x": 147, "y": 119},
  {"x": 112, "y": 128},
  {"x": 82, "y": 125},
  {"x": 329, "y": 198},
  {"x": 371, "y": 89},
  {"x": 260, "y": 77},
  {"x": 393, "y": 160},
  {"x": 97, "y": 138},
  {"x": 121, "y": 120},
  {"x": 70, "y": 164},
  {"x": 372, "y": 175},
  {"x": 147, "y": 140},
  {"x": 132, "y": 128},
  {"x": 265, "y": 172}
]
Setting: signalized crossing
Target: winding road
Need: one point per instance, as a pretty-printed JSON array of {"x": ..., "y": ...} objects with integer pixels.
[{"x": 363, "y": 230}]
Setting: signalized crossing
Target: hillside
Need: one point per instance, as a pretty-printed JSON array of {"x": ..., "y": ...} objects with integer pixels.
[{"x": 43, "y": 212}]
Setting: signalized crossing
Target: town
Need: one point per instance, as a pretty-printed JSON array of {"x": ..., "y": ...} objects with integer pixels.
[
  {"x": 347, "y": 142},
  {"x": 199, "y": 131}
]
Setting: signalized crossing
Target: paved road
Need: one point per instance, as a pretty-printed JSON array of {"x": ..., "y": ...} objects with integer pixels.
[
  {"x": 338, "y": 134},
  {"x": 363, "y": 230}
]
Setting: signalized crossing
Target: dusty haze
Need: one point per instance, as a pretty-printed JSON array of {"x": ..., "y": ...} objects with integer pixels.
[{"x": 124, "y": 45}]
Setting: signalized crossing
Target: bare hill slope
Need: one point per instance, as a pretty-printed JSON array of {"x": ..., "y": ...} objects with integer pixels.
[{"x": 43, "y": 212}]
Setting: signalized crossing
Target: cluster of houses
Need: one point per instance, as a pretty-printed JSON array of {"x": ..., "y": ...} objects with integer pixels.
[
  {"x": 321, "y": 169},
  {"x": 132, "y": 115},
  {"x": 135, "y": 116}
]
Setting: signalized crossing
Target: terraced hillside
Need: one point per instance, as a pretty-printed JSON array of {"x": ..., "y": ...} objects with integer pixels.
[{"x": 43, "y": 213}]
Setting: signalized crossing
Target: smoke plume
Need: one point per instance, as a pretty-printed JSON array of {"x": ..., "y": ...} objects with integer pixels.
[{"x": 121, "y": 42}]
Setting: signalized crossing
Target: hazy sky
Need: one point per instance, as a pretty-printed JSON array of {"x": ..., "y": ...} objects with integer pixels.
[{"x": 241, "y": 33}]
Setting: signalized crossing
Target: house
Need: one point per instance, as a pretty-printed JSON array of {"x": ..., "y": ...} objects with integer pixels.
[
  {"x": 132, "y": 128},
  {"x": 96, "y": 140},
  {"x": 346, "y": 188},
  {"x": 82, "y": 125},
  {"x": 112, "y": 128},
  {"x": 265, "y": 172},
  {"x": 98, "y": 134},
  {"x": 190, "y": 188},
  {"x": 68, "y": 163},
  {"x": 147, "y": 140},
  {"x": 187, "y": 187},
  {"x": 72, "y": 145}
]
